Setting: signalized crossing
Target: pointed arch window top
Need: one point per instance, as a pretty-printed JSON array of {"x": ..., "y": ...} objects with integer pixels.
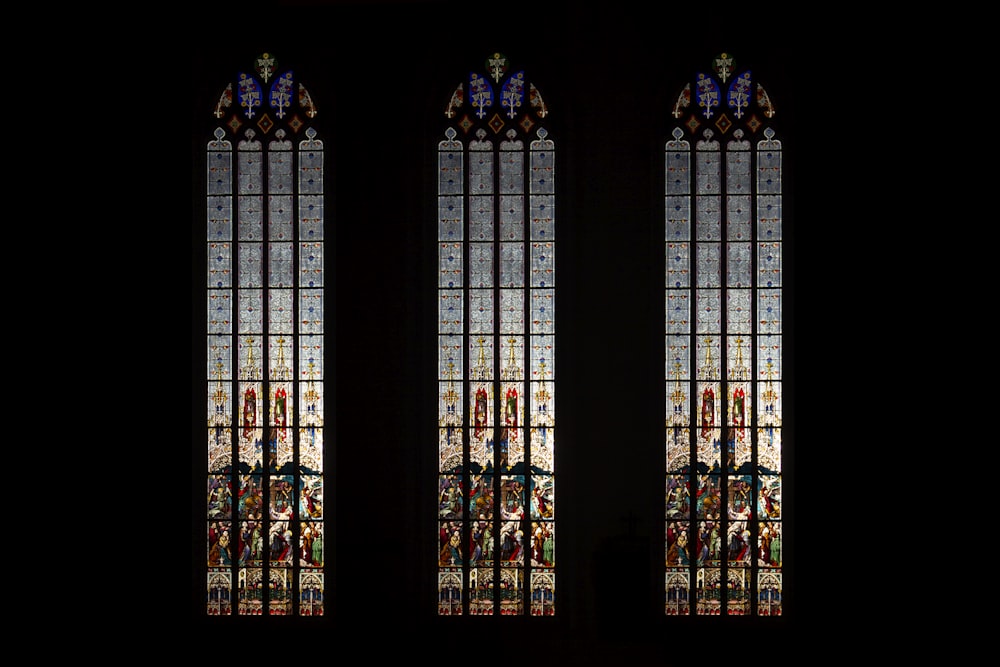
[
  {"x": 739, "y": 94},
  {"x": 281, "y": 95},
  {"x": 482, "y": 96}
]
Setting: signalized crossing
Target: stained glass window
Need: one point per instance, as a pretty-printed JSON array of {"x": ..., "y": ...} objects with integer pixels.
[
  {"x": 723, "y": 320},
  {"x": 265, "y": 526},
  {"x": 496, "y": 348}
]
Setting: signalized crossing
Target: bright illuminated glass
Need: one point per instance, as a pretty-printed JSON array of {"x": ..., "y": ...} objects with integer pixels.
[
  {"x": 496, "y": 347},
  {"x": 265, "y": 297},
  {"x": 723, "y": 349}
]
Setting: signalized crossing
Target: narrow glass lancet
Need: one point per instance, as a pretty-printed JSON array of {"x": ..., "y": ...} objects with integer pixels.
[
  {"x": 496, "y": 345},
  {"x": 723, "y": 349},
  {"x": 265, "y": 191}
]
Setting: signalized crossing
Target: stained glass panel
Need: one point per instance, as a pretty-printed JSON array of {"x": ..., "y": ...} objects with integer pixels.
[
  {"x": 265, "y": 543},
  {"x": 496, "y": 402},
  {"x": 722, "y": 169}
]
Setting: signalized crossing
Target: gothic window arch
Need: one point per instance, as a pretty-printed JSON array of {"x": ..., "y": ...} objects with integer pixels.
[
  {"x": 265, "y": 300},
  {"x": 496, "y": 347},
  {"x": 724, "y": 308}
]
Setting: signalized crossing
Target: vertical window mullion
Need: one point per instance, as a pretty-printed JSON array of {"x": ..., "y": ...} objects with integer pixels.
[
  {"x": 709, "y": 309},
  {"x": 484, "y": 307},
  {"x": 251, "y": 327},
  {"x": 221, "y": 508},
  {"x": 754, "y": 401},
  {"x": 680, "y": 346},
  {"x": 768, "y": 500},
  {"x": 456, "y": 418},
  {"x": 539, "y": 360},
  {"x": 501, "y": 433},
  {"x": 310, "y": 431},
  {"x": 280, "y": 325},
  {"x": 513, "y": 301},
  {"x": 739, "y": 390}
]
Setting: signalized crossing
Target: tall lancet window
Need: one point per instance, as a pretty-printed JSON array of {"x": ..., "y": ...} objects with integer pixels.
[
  {"x": 265, "y": 523},
  {"x": 496, "y": 348},
  {"x": 723, "y": 245}
]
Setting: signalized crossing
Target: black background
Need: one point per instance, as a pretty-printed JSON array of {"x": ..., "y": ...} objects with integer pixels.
[{"x": 381, "y": 74}]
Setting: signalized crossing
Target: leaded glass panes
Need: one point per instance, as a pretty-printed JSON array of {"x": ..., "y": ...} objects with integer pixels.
[
  {"x": 723, "y": 255},
  {"x": 496, "y": 335},
  {"x": 265, "y": 296}
]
